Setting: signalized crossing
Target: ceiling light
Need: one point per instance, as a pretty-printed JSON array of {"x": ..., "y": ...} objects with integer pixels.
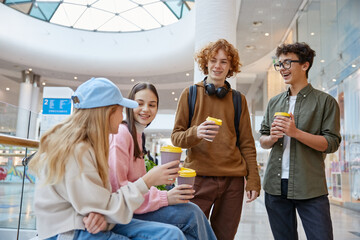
[
  {"x": 176, "y": 99},
  {"x": 323, "y": 89},
  {"x": 312, "y": 33},
  {"x": 353, "y": 65},
  {"x": 257, "y": 23},
  {"x": 334, "y": 79},
  {"x": 250, "y": 47},
  {"x": 30, "y": 69},
  {"x": 267, "y": 34},
  {"x": 7, "y": 89},
  {"x": 322, "y": 60},
  {"x": 132, "y": 80},
  {"x": 173, "y": 93},
  {"x": 278, "y": 4},
  {"x": 260, "y": 12},
  {"x": 187, "y": 74},
  {"x": 43, "y": 83},
  {"x": 75, "y": 78}
]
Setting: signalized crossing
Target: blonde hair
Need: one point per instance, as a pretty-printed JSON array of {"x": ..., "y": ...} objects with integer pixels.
[
  {"x": 88, "y": 126},
  {"x": 205, "y": 54}
]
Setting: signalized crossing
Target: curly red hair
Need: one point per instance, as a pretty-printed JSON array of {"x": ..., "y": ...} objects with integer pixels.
[{"x": 203, "y": 56}]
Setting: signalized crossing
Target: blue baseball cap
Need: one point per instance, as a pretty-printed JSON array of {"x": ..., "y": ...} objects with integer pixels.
[{"x": 100, "y": 92}]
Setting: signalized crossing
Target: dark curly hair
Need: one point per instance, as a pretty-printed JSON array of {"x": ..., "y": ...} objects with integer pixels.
[
  {"x": 203, "y": 56},
  {"x": 302, "y": 51}
]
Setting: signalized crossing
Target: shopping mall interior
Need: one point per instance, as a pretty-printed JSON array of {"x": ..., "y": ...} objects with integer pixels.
[{"x": 49, "y": 47}]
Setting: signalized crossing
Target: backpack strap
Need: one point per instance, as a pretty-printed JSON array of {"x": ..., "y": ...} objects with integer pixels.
[
  {"x": 191, "y": 102},
  {"x": 237, "y": 107}
]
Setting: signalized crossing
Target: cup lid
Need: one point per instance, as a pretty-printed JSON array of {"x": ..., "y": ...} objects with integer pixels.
[
  {"x": 187, "y": 172},
  {"x": 169, "y": 148},
  {"x": 216, "y": 120},
  {"x": 285, "y": 114}
]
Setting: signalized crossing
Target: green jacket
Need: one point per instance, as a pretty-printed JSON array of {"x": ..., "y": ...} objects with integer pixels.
[{"x": 317, "y": 113}]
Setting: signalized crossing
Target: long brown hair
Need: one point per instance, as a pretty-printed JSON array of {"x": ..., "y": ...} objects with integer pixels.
[
  {"x": 85, "y": 126},
  {"x": 130, "y": 114}
]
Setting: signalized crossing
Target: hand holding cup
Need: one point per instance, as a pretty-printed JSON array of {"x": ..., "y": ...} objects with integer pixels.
[
  {"x": 163, "y": 174},
  {"x": 209, "y": 129},
  {"x": 279, "y": 118}
]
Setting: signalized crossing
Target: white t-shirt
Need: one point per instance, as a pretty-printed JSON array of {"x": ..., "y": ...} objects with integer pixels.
[{"x": 285, "y": 164}]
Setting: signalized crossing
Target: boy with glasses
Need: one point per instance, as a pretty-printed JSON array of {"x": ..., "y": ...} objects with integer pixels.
[{"x": 295, "y": 176}]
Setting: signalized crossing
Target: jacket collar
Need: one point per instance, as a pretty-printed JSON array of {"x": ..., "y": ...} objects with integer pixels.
[{"x": 303, "y": 92}]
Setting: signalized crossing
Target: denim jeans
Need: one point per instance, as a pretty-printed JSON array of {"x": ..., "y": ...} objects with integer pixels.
[
  {"x": 136, "y": 230},
  {"x": 188, "y": 217},
  {"x": 314, "y": 214}
]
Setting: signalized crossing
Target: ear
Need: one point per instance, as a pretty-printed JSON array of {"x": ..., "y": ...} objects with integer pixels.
[{"x": 305, "y": 66}]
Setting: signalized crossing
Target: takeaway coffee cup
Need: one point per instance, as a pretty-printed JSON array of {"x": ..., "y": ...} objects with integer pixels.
[
  {"x": 186, "y": 176},
  {"x": 216, "y": 121},
  {"x": 170, "y": 153},
  {"x": 283, "y": 114}
]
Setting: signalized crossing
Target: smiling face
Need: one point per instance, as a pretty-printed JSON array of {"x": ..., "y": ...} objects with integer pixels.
[
  {"x": 146, "y": 112},
  {"x": 115, "y": 119},
  {"x": 218, "y": 67},
  {"x": 297, "y": 72}
]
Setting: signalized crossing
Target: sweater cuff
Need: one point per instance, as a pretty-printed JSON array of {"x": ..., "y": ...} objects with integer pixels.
[
  {"x": 163, "y": 199},
  {"x": 253, "y": 185},
  {"x": 193, "y": 133},
  {"x": 141, "y": 185}
]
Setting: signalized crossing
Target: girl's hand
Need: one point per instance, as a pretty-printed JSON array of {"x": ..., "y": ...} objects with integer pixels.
[
  {"x": 95, "y": 222},
  {"x": 162, "y": 174},
  {"x": 180, "y": 194}
]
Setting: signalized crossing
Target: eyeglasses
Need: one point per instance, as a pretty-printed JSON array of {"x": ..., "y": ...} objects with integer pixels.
[{"x": 286, "y": 64}]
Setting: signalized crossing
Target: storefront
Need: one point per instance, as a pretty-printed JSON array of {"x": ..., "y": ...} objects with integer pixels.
[{"x": 332, "y": 29}]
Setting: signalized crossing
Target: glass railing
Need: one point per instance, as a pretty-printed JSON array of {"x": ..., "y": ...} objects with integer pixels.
[
  {"x": 17, "y": 220},
  {"x": 18, "y": 134},
  {"x": 15, "y": 121}
]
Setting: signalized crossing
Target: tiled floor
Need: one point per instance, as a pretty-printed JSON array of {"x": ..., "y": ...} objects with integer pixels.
[{"x": 254, "y": 222}]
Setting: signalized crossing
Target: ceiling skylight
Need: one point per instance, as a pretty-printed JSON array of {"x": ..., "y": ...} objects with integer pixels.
[{"x": 105, "y": 15}]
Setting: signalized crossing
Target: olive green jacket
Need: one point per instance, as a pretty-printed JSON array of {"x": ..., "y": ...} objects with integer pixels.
[{"x": 317, "y": 113}]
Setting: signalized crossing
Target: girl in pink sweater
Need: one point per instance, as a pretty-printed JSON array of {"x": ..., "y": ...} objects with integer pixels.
[{"x": 127, "y": 165}]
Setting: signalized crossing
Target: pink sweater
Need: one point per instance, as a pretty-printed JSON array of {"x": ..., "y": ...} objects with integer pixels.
[{"x": 125, "y": 168}]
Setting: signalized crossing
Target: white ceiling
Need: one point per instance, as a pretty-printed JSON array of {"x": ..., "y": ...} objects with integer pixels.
[{"x": 275, "y": 17}]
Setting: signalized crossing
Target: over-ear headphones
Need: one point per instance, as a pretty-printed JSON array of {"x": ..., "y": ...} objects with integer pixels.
[{"x": 220, "y": 92}]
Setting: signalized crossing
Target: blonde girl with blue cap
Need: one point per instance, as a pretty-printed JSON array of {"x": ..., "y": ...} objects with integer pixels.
[{"x": 73, "y": 174}]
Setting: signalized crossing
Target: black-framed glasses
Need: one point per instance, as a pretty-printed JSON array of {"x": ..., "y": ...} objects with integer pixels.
[{"x": 286, "y": 64}]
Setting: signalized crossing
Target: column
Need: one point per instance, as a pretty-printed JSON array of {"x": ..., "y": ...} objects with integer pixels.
[
  {"x": 214, "y": 19},
  {"x": 28, "y": 102},
  {"x": 34, "y": 108}
]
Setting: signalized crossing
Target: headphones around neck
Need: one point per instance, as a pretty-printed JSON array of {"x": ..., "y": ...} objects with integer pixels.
[{"x": 220, "y": 92}]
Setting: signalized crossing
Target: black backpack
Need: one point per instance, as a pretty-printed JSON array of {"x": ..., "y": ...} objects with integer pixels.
[{"x": 237, "y": 107}]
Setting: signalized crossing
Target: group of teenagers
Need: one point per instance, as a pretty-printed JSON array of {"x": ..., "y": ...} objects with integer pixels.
[{"x": 91, "y": 176}]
